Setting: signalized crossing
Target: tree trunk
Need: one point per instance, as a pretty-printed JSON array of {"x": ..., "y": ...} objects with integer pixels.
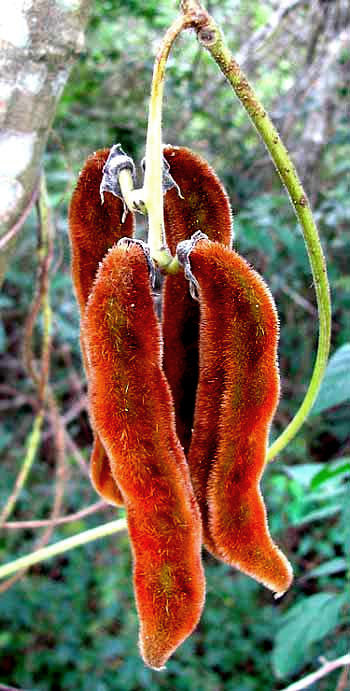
[{"x": 39, "y": 42}]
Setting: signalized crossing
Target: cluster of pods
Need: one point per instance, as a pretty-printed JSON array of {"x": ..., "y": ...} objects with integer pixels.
[{"x": 180, "y": 406}]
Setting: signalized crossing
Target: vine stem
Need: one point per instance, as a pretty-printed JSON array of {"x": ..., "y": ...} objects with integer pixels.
[
  {"x": 33, "y": 443},
  {"x": 210, "y": 37},
  {"x": 62, "y": 546}
]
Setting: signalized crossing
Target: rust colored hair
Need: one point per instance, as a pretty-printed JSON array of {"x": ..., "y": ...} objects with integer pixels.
[
  {"x": 237, "y": 395},
  {"x": 204, "y": 205},
  {"x": 94, "y": 227},
  {"x": 132, "y": 409}
]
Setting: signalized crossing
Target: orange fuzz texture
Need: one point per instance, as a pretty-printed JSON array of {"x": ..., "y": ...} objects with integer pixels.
[
  {"x": 204, "y": 206},
  {"x": 94, "y": 227},
  {"x": 132, "y": 409},
  {"x": 237, "y": 396}
]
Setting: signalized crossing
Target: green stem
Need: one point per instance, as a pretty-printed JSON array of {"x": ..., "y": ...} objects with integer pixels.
[
  {"x": 33, "y": 443},
  {"x": 62, "y": 546},
  {"x": 211, "y": 38}
]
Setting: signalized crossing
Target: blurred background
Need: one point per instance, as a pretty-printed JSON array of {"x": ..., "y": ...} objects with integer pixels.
[{"x": 70, "y": 623}]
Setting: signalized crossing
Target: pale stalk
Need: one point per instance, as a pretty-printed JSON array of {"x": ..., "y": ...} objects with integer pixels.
[{"x": 153, "y": 188}]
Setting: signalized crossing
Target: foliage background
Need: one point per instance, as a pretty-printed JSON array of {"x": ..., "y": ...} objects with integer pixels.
[{"x": 71, "y": 623}]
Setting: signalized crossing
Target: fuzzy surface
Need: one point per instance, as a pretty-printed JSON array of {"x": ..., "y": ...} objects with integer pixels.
[
  {"x": 132, "y": 409},
  {"x": 237, "y": 396},
  {"x": 93, "y": 228},
  {"x": 204, "y": 206}
]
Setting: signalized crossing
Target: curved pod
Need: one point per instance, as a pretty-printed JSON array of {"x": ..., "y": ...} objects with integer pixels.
[
  {"x": 236, "y": 399},
  {"x": 203, "y": 205},
  {"x": 132, "y": 409},
  {"x": 94, "y": 227}
]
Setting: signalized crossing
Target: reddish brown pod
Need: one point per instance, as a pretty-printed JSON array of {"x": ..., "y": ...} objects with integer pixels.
[
  {"x": 237, "y": 395},
  {"x": 203, "y": 205},
  {"x": 132, "y": 409},
  {"x": 94, "y": 227}
]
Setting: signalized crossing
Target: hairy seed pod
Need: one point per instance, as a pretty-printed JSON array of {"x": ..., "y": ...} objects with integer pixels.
[
  {"x": 132, "y": 409},
  {"x": 94, "y": 227},
  {"x": 237, "y": 395},
  {"x": 203, "y": 205}
]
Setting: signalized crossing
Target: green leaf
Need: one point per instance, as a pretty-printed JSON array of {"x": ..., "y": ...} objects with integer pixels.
[
  {"x": 330, "y": 471},
  {"x": 305, "y": 473},
  {"x": 344, "y": 527},
  {"x": 335, "y": 388},
  {"x": 319, "y": 514},
  {"x": 329, "y": 567},
  {"x": 306, "y": 623}
]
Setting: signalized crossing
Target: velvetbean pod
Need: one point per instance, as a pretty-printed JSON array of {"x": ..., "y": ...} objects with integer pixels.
[
  {"x": 93, "y": 228},
  {"x": 202, "y": 203},
  {"x": 237, "y": 395},
  {"x": 132, "y": 410}
]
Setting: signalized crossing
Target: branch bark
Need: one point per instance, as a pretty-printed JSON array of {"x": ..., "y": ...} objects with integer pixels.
[{"x": 39, "y": 42}]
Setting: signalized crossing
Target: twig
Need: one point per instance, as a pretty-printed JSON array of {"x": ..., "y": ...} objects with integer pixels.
[
  {"x": 44, "y": 390},
  {"x": 59, "y": 487},
  {"x": 18, "y": 402},
  {"x": 61, "y": 469},
  {"x": 326, "y": 668},
  {"x": 62, "y": 546},
  {"x": 40, "y": 376},
  {"x": 24, "y": 525},
  {"x": 76, "y": 453},
  {"x": 76, "y": 383},
  {"x": 264, "y": 33},
  {"x": 70, "y": 414},
  {"x": 298, "y": 299},
  {"x": 46, "y": 251},
  {"x": 12, "y": 232},
  {"x": 33, "y": 443},
  {"x": 40, "y": 379},
  {"x": 10, "y": 390},
  {"x": 342, "y": 684},
  {"x": 41, "y": 301}
]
